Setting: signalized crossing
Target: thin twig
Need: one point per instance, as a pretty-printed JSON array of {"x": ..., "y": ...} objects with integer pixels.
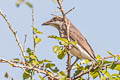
[
  {"x": 28, "y": 67},
  {"x": 14, "y": 33},
  {"x": 33, "y": 31},
  {"x": 110, "y": 56},
  {"x": 80, "y": 75},
  {"x": 68, "y": 50},
  {"x": 24, "y": 42},
  {"x": 70, "y": 10}
]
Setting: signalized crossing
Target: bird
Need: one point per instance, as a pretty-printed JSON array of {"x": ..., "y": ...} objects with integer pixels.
[{"x": 82, "y": 49}]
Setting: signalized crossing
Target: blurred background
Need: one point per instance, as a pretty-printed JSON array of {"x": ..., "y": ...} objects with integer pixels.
[{"x": 98, "y": 20}]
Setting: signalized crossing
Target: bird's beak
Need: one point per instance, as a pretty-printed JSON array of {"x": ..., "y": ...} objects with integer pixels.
[{"x": 46, "y": 23}]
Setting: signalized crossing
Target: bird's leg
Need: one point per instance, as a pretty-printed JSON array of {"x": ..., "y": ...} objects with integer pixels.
[{"x": 74, "y": 62}]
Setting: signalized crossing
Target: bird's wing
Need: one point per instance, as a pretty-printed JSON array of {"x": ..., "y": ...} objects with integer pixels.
[{"x": 77, "y": 36}]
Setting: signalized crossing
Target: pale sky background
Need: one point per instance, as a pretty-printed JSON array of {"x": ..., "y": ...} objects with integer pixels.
[{"x": 98, "y": 20}]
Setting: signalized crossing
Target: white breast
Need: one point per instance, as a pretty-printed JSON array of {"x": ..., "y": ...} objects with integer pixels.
[{"x": 79, "y": 52}]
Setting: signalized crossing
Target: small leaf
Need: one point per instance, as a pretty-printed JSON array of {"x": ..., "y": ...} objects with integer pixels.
[
  {"x": 16, "y": 59},
  {"x": 49, "y": 65},
  {"x": 106, "y": 73},
  {"x": 6, "y": 75},
  {"x": 28, "y": 50},
  {"x": 37, "y": 40},
  {"x": 34, "y": 62},
  {"x": 29, "y": 4},
  {"x": 102, "y": 78},
  {"x": 32, "y": 56},
  {"x": 56, "y": 49},
  {"x": 40, "y": 62},
  {"x": 110, "y": 54},
  {"x": 26, "y": 57},
  {"x": 87, "y": 61},
  {"x": 62, "y": 54},
  {"x": 25, "y": 76},
  {"x": 62, "y": 73},
  {"x": 41, "y": 78},
  {"x": 54, "y": 1},
  {"x": 79, "y": 67},
  {"x": 46, "y": 60},
  {"x": 77, "y": 72},
  {"x": 117, "y": 67},
  {"x": 118, "y": 57},
  {"x": 58, "y": 38},
  {"x": 98, "y": 57},
  {"x": 115, "y": 74},
  {"x": 36, "y": 30},
  {"x": 112, "y": 66},
  {"x": 55, "y": 70},
  {"x": 19, "y": 2},
  {"x": 94, "y": 74},
  {"x": 73, "y": 42}
]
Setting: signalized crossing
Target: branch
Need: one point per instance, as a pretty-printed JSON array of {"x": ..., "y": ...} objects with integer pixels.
[
  {"x": 70, "y": 10},
  {"x": 68, "y": 50},
  {"x": 14, "y": 33},
  {"x": 80, "y": 75},
  {"x": 23, "y": 66},
  {"x": 33, "y": 31},
  {"x": 111, "y": 56}
]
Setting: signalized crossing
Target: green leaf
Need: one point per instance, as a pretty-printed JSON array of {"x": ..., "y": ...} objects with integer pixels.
[
  {"x": 56, "y": 49},
  {"x": 6, "y": 75},
  {"x": 58, "y": 38},
  {"x": 98, "y": 57},
  {"x": 112, "y": 66},
  {"x": 106, "y": 73},
  {"x": 49, "y": 65},
  {"x": 87, "y": 61},
  {"x": 19, "y": 2},
  {"x": 29, "y": 4},
  {"x": 16, "y": 59},
  {"x": 42, "y": 78},
  {"x": 40, "y": 62},
  {"x": 77, "y": 72},
  {"x": 34, "y": 62},
  {"x": 73, "y": 42},
  {"x": 94, "y": 74},
  {"x": 79, "y": 67},
  {"x": 54, "y": 1},
  {"x": 28, "y": 50},
  {"x": 106, "y": 62},
  {"x": 36, "y": 30},
  {"x": 46, "y": 60},
  {"x": 25, "y": 75},
  {"x": 62, "y": 54},
  {"x": 110, "y": 54},
  {"x": 55, "y": 70},
  {"x": 63, "y": 43},
  {"x": 117, "y": 67},
  {"x": 102, "y": 78},
  {"x": 62, "y": 74},
  {"x": 37, "y": 40},
  {"x": 87, "y": 67},
  {"x": 26, "y": 57},
  {"x": 118, "y": 57},
  {"x": 115, "y": 74},
  {"x": 32, "y": 56}
]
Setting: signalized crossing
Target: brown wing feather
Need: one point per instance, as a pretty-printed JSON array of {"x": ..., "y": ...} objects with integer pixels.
[{"x": 80, "y": 40}]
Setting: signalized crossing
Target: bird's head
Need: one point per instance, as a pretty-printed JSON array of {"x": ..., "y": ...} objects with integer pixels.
[{"x": 56, "y": 22}]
